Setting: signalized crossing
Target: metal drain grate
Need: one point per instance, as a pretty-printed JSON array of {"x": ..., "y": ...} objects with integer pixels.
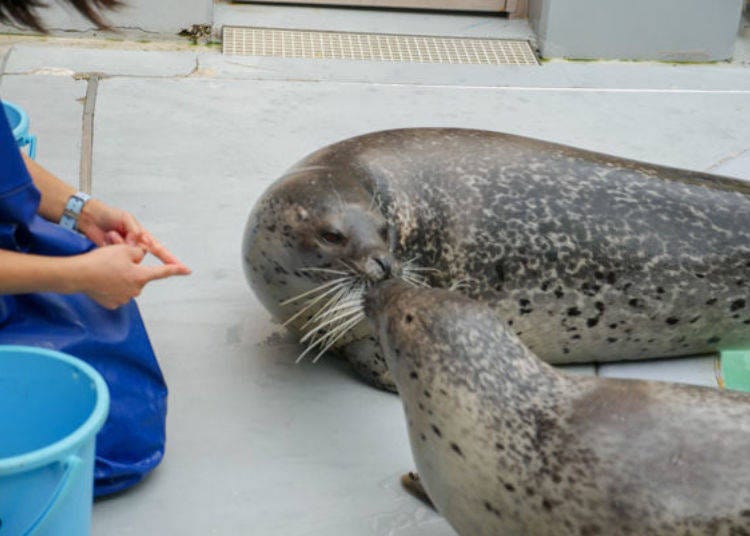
[{"x": 246, "y": 41}]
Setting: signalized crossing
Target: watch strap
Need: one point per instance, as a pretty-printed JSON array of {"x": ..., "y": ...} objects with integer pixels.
[{"x": 73, "y": 210}]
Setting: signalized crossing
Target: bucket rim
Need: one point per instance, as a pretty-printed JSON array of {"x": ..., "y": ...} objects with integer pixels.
[
  {"x": 58, "y": 450},
  {"x": 23, "y": 124}
]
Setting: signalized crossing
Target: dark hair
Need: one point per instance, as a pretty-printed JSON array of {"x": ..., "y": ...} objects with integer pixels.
[{"x": 24, "y": 12}]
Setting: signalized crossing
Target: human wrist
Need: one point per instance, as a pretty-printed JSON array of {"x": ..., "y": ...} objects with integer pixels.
[
  {"x": 74, "y": 207},
  {"x": 74, "y": 274}
]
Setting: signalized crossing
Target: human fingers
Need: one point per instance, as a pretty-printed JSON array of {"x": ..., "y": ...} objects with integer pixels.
[
  {"x": 136, "y": 253},
  {"x": 113, "y": 238},
  {"x": 130, "y": 225},
  {"x": 110, "y": 303},
  {"x": 152, "y": 273},
  {"x": 158, "y": 250}
]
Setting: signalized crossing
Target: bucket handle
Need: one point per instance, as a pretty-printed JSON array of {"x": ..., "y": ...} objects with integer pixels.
[
  {"x": 72, "y": 466},
  {"x": 31, "y": 142}
]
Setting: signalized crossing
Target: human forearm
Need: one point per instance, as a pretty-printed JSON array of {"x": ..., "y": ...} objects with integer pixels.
[
  {"x": 55, "y": 193},
  {"x": 21, "y": 273},
  {"x": 110, "y": 275}
]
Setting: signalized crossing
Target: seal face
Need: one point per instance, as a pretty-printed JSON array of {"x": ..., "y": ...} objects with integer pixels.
[
  {"x": 587, "y": 256},
  {"x": 506, "y": 444}
]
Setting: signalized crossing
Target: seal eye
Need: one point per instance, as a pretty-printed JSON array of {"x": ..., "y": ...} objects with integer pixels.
[
  {"x": 384, "y": 233},
  {"x": 332, "y": 237}
]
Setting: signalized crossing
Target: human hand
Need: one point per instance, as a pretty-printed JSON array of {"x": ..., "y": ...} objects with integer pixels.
[
  {"x": 113, "y": 275},
  {"x": 105, "y": 225}
]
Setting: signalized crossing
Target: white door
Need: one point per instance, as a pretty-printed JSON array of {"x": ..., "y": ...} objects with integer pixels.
[{"x": 456, "y": 5}]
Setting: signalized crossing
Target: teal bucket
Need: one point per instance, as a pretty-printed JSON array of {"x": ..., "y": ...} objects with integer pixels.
[
  {"x": 19, "y": 124},
  {"x": 51, "y": 407}
]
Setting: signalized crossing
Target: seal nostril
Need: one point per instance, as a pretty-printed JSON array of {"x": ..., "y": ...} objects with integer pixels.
[{"x": 385, "y": 265}]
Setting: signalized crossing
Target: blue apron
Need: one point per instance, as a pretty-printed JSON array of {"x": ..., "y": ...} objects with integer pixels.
[{"x": 115, "y": 343}]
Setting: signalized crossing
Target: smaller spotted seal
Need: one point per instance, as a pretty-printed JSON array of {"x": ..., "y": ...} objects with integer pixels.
[{"x": 507, "y": 444}]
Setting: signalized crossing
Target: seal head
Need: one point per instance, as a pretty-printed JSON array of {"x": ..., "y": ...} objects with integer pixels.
[{"x": 313, "y": 243}]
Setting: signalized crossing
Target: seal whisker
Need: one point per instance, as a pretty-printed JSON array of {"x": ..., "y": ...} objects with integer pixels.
[
  {"x": 316, "y": 289},
  {"x": 341, "y": 288},
  {"x": 344, "y": 330},
  {"x": 423, "y": 269},
  {"x": 326, "y": 312},
  {"x": 340, "y": 316},
  {"x": 325, "y": 336},
  {"x": 342, "y": 297},
  {"x": 324, "y": 270},
  {"x": 343, "y": 310},
  {"x": 464, "y": 283},
  {"x": 415, "y": 280},
  {"x": 336, "y": 332},
  {"x": 325, "y": 309},
  {"x": 347, "y": 265}
]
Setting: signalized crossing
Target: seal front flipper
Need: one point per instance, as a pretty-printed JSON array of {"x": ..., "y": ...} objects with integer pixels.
[{"x": 411, "y": 483}]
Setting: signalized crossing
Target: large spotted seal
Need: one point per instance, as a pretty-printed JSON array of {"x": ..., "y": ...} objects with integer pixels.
[
  {"x": 508, "y": 445},
  {"x": 586, "y": 256}
]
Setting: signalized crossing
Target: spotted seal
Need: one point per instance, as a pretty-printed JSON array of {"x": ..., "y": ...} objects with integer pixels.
[
  {"x": 507, "y": 444},
  {"x": 587, "y": 256}
]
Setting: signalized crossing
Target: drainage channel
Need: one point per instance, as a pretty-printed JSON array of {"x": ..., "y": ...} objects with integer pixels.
[{"x": 394, "y": 48}]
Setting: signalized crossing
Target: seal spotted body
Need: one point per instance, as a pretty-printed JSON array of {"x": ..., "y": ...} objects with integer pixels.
[
  {"x": 506, "y": 444},
  {"x": 587, "y": 256}
]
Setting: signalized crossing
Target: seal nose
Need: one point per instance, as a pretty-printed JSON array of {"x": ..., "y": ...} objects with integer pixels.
[
  {"x": 378, "y": 267},
  {"x": 380, "y": 294}
]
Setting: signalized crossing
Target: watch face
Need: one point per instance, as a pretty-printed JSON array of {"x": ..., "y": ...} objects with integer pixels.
[{"x": 73, "y": 209}]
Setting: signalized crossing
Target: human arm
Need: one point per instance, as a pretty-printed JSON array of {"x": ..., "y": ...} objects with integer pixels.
[{"x": 110, "y": 276}]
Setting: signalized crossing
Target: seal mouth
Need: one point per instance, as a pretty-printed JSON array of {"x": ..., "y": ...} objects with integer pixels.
[{"x": 337, "y": 305}]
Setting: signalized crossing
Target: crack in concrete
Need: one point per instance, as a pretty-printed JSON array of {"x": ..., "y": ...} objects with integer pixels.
[
  {"x": 4, "y": 63},
  {"x": 85, "y": 181},
  {"x": 78, "y": 75},
  {"x": 728, "y": 158},
  {"x": 196, "y": 67},
  {"x": 22, "y": 30}
]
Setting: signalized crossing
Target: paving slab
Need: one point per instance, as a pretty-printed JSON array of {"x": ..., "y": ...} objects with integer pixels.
[
  {"x": 555, "y": 75},
  {"x": 29, "y": 59},
  {"x": 257, "y": 444},
  {"x": 55, "y": 108},
  {"x": 582, "y": 370},
  {"x": 694, "y": 370}
]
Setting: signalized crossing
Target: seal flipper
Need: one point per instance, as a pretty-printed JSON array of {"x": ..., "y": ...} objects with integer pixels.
[
  {"x": 366, "y": 357},
  {"x": 412, "y": 483}
]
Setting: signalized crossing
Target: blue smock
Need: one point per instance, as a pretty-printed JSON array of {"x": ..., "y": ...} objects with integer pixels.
[{"x": 115, "y": 343}]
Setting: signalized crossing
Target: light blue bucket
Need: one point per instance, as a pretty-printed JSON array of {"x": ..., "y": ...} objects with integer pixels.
[
  {"x": 19, "y": 123},
  {"x": 51, "y": 407}
]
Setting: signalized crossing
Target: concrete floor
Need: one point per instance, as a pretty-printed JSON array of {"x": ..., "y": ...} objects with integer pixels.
[{"x": 188, "y": 140}]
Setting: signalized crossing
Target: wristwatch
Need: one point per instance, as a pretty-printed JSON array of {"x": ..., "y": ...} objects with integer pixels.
[{"x": 73, "y": 210}]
